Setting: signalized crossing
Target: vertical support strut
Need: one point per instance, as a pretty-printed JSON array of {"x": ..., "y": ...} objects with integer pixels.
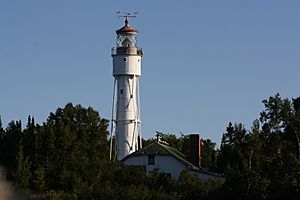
[
  {"x": 112, "y": 125},
  {"x": 139, "y": 113}
]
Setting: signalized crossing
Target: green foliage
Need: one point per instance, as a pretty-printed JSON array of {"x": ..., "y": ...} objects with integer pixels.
[
  {"x": 160, "y": 181},
  {"x": 23, "y": 171},
  {"x": 191, "y": 187},
  {"x": 67, "y": 153},
  {"x": 39, "y": 180},
  {"x": 66, "y": 157},
  {"x": 74, "y": 149},
  {"x": 181, "y": 143},
  {"x": 263, "y": 163},
  {"x": 1, "y": 129},
  {"x": 208, "y": 155},
  {"x": 9, "y": 144}
]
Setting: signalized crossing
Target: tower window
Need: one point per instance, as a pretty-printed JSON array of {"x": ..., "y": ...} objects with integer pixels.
[
  {"x": 151, "y": 160},
  {"x": 124, "y": 59},
  {"x": 121, "y": 91}
]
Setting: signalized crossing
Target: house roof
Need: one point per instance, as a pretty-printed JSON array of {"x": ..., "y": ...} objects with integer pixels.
[{"x": 157, "y": 148}]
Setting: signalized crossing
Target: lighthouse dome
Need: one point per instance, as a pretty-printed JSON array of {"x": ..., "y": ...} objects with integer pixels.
[{"x": 127, "y": 29}]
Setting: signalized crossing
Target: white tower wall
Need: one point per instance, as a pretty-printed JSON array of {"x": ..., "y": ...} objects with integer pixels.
[
  {"x": 127, "y": 115},
  {"x": 127, "y": 65}
]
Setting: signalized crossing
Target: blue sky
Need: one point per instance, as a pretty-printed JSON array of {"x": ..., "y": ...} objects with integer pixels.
[{"x": 205, "y": 63}]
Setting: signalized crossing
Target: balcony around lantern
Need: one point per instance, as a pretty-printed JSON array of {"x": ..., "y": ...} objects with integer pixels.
[{"x": 126, "y": 51}]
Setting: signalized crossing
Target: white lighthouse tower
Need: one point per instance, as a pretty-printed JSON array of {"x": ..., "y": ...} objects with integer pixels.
[{"x": 126, "y": 121}]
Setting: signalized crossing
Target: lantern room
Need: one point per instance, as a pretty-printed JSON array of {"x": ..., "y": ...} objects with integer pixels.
[{"x": 126, "y": 36}]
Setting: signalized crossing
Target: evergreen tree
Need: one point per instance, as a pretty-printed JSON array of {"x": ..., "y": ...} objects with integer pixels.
[
  {"x": 295, "y": 123},
  {"x": 74, "y": 148},
  {"x": 11, "y": 139},
  {"x": 31, "y": 142},
  {"x": 39, "y": 180},
  {"x": 1, "y": 128},
  {"x": 233, "y": 145},
  {"x": 208, "y": 155},
  {"x": 23, "y": 171},
  {"x": 280, "y": 129}
]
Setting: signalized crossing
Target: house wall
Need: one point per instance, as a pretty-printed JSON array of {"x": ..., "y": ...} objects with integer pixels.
[
  {"x": 168, "y": 164},
  {"x": 165, "y": 164}
]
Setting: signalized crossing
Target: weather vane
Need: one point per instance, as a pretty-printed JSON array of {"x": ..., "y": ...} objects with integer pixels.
[{"x": 127, "y": 15}]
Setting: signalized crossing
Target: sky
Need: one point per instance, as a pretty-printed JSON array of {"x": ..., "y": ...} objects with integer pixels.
[{"x": 206, "y": 62}]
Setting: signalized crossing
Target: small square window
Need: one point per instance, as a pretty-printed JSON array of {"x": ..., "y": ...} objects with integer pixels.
[{"x": 151, "y": 160}]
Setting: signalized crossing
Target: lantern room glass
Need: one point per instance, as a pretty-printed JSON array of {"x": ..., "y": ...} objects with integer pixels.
[{"x": 126, "y": 40}]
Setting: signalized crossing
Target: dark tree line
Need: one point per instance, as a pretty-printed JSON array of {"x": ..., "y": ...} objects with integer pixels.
[
  {"x": 66, "y": 157},
  {"x": 265, "y": 160},
  {"x": 261, "y": 163},
  {"x": 67, "y": 153}
]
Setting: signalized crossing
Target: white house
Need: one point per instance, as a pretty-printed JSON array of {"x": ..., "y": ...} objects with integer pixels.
[{"x": 167, "y": 160}]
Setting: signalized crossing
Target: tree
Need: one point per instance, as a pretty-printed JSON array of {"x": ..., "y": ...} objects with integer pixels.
[
  {"x": 233, "y": 146},
  {"x": 280, "y": 128},
  {"x": 279, "y": 124},
  {"x": 31, "y": 142},
  {"x": 23, "y": 171},
  {"x": 10, "y": 141},
  {"x": 1, "y": 129},
  {"x": 39, "y": 180},
  {"x": 208, "y": 155},
  {"x": 191, "y": 187},
  {"x": 261, "y": 163},
  {"x": 74, "y": 148},
  {"x": 295, "y": 122}
]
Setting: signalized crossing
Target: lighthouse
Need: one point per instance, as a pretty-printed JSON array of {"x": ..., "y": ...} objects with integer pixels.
[{"x": 126, "y": 117}]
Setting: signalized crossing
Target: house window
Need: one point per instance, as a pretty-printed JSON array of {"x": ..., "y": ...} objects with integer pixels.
[{"x": 151, "y": 160}]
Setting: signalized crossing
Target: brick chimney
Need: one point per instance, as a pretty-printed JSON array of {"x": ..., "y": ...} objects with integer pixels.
[{"x": 195, "y": 150}]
